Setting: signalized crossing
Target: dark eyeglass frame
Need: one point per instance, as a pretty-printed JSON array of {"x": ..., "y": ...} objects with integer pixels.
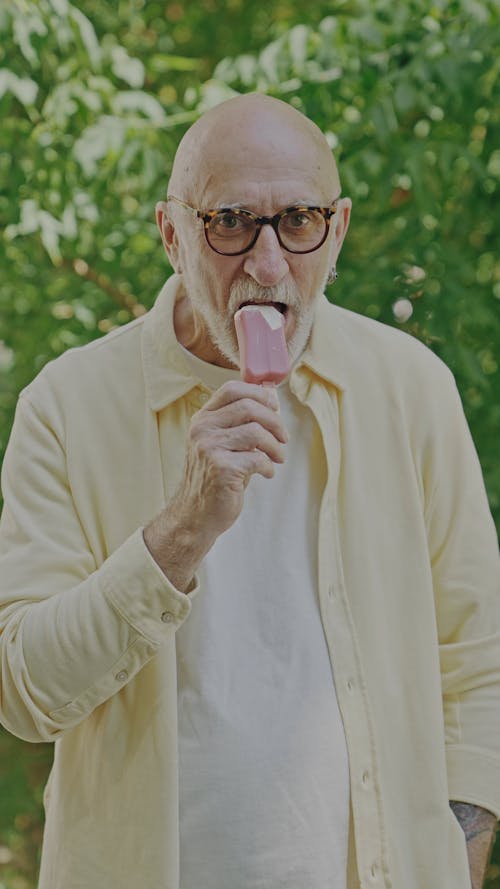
[{"x": 207, "y": 215}]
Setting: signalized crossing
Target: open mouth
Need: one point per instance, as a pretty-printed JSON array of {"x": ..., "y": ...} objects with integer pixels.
[{"x": 281, "y": 307}]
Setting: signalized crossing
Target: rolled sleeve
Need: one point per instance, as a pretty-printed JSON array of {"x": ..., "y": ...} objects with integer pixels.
[
  {"x": 72, "y": 632},
  {"x": 141, "y": 594}
]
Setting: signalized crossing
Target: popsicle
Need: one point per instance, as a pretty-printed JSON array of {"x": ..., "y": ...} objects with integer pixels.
[{"x": 260, "y": 330}]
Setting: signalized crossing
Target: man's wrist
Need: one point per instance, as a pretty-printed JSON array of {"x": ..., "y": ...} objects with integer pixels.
[{"x": 176, "y": 549}]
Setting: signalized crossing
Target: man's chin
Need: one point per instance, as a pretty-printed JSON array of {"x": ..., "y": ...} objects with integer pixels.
[
  {"x": 227, "y": 354},
  {"x": 297, "y": 332}
]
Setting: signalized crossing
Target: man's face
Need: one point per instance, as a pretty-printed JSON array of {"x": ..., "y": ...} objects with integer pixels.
[{"x": 264, "y": 174}]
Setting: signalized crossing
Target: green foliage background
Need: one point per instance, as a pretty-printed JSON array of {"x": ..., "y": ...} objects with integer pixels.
[{"x": 94, "y": 98}]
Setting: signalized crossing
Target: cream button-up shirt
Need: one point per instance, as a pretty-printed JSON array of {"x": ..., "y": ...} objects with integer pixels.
[{"x": 408, "y": 588}]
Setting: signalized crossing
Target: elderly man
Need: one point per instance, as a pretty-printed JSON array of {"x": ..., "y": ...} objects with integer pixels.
[{"x": 260, "y": 624}]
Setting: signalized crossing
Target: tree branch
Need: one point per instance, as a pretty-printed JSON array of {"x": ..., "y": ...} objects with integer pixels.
[{"x": 125, "y": 300}]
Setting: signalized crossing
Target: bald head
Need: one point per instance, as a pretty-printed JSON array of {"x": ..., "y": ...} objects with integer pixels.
[
  {"x": 261, "y": 156},
  {"x": 253, "y": 134}
]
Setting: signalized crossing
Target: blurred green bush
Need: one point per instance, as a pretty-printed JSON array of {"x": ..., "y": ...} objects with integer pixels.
[{"x": 94, "y": 98}]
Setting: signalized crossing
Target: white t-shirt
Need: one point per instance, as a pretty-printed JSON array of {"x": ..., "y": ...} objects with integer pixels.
[{"x": 264, "y": 780}]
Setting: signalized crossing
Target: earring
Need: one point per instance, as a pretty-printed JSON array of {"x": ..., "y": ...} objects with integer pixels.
[{"x": 332, "y": 276}]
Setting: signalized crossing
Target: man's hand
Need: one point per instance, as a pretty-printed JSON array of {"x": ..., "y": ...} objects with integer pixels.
[
  {"x": 479, "y": 827},
  {"x": 238, "y": 433}
]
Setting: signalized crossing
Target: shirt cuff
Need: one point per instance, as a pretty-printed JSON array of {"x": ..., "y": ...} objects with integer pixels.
[{"x": 136, "y": 587}]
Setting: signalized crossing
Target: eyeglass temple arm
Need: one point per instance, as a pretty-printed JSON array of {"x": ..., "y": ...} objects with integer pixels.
[{"x": 193, "y": 210}]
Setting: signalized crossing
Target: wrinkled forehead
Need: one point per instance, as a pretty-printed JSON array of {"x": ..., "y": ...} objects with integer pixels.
[{"x": 244, "y": 150}]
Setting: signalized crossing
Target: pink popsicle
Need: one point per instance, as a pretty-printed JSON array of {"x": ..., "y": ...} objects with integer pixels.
[{"x": 261, "y": 339}]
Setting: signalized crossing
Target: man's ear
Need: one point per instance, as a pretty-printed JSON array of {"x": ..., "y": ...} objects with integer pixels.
[
  {"x": 341, "y": 224},
  {"x": 168, "y": 235}
]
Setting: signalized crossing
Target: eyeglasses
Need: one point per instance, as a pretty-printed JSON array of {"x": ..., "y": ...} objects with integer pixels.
[{"x": 231, "y": 231}]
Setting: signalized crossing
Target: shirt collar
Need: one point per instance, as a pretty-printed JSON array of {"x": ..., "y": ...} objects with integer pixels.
[
  {"x": 169, "y": 374},
  {"x": 325, "y": 353}
]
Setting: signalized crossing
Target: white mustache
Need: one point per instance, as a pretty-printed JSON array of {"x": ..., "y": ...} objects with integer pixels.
[{"x": 248, "y": 291}]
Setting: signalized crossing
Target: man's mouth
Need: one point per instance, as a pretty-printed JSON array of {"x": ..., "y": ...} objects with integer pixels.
[{"x": 281, "y": 307}]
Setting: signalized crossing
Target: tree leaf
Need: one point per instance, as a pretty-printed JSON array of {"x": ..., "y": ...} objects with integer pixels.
[
  {"x": 140, "y": 102},
  {"x": 23, "y": 88},
  {"x": 130, "y": 70},
  {"x": 87, "y": 35},
  {"x": 97, "y": 140}
]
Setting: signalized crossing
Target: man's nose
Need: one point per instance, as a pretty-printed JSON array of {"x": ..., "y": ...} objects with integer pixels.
[{"x": 265, "y": 262}]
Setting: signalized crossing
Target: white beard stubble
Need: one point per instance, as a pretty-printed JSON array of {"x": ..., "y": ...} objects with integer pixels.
[{"x": 220, "y": 326}]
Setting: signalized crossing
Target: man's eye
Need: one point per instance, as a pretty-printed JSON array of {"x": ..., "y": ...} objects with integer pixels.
[
  {"x": 228, "y": 220},
  {"x": 298, "y": 219},
  {"x": 229, "y": 225}
]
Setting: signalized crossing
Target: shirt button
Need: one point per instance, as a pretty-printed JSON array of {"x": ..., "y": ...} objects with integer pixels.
[
  {"x": 350, "y": 685},
  {"x": 121, "y": 676},
  {"x": 374, "y": 871},
  {"x": 365, "y": 778},
  {"x": 167, "y": 617},
  {"x": 331, "y": 591}
]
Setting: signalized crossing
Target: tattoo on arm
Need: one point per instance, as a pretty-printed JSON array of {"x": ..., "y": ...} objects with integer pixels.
[
  {"x": 473, "y": 819},
  {"x": 479, "y": 827}
]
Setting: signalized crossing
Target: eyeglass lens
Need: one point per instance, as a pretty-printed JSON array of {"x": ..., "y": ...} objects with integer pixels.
[{"x": 300, "y": 230}]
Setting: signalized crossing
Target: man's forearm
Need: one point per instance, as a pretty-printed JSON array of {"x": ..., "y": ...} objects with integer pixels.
[{"x": 479, "y": 827}]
